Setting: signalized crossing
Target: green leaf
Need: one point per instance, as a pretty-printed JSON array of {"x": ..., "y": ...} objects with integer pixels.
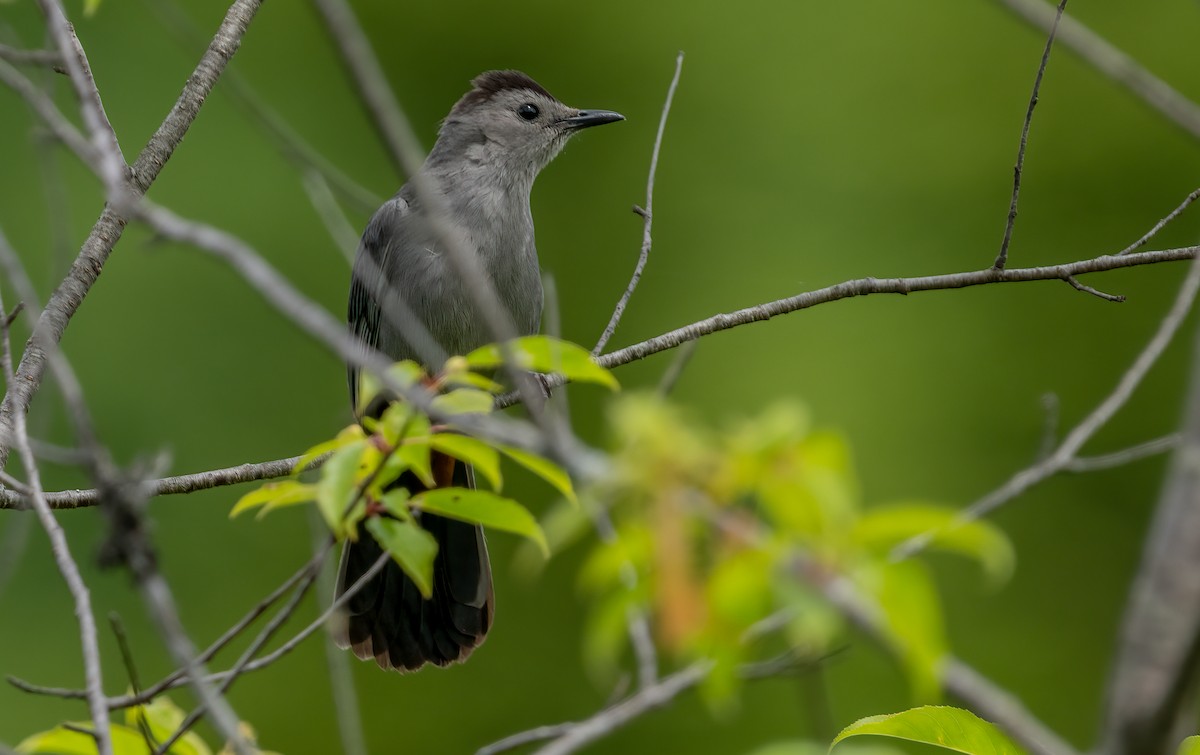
[
  {"x": 90, "y": 7},
  {"x": 473, "y": 451},
  {"x": 163, "y": 718},
  {"x": 801, "y": 747},
  {"x": 951, "y": 729},
  {"x": 483, "y": 507},
  {"x": 1189, "y": 746},
  {"x": 274, "y": 495},
  {"x": 544, "y": 468},
  {"x": 63, "y": 741},
  {"x": 410, "y": 546},
  {"x": 884, "y": 527},
  {"x": 913, "y": 618},
  {"x": 464, "y": 401},
  {"x": 406, "y": 374},
  {"x": 348, "y": 434},
  {"x": 337, "y": 486},
  {"x": 546, "y": 354}
]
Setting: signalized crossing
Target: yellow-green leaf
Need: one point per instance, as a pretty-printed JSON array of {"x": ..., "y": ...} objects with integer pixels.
[
  {"x": 337, "y": 486},
  {"x": 473, "y": 451},
  {"x": 348, "y": 434},
  {"x": 63, "y": 741},
  {"x": 913, "y": 618},
  {"x": 884, "y": 527},
  {"x": 951, "y": 729},
  {"x": 410, "y": 546},
  {"x": 546, "y": 354},
  {"x": 464, "y": 401},
  {"x": 273, "y": 495},
  {"x": 542, "y": 467},
  {"x": 163, "y": 718},
  {"x": 1189, "y": 746},
  {"x": 483, "y": 507}
]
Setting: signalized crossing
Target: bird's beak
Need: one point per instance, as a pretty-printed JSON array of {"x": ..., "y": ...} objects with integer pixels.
[{"x": 588, "y": 118}]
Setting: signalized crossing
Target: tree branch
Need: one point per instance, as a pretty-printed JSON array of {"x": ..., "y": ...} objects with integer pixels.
[
  {"x": 647, "y": 215},
  {"x": 69, "y": 295},
  {"x": 65, "y": 562},
  {"x": 1113, "y": 63},
  {"x": 1074, "y": 441},
  {"x": 1002, "y": 257}
]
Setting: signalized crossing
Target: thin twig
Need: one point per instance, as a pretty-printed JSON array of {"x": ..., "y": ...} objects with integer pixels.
[
  {"x": 66, "y": 565},
  {"x": 1002, "y": 257},
  {"x": 285, "y": 138},
  {"x": 104, "y": 139},
  {"x": 1162, "y": 223},
  {"x": 177, "y": 678},
  {"x": 277, "y": 621},
  {"x": 1113, "y": 63},
  {"x": 35, "y": 57},
  {"x": 1067, "y": 450},
  {"x": 647, "y": 215},
  {"x": 1075, "y": 284},
  {"x": 1125, "y": 456}
]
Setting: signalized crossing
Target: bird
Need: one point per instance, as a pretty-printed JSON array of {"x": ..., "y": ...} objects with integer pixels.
[{"x": 408, "y": 301}]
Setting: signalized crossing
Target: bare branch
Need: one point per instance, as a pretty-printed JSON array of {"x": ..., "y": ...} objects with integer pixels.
[
  {"x": 290, "y": 144},
  {"x": 50, "y": 115},
  {"x": 65, "y": 562},
  {"x": 1124, "y": 456},
  {"x": 112, "y": 168},
  {"x": 1075, "y": 284},
  {"x": 187, "y": 483},
  {"x": 1002, "y": 257},
  {"x": 35, "y": 57},
  {"x": 647, "y": 215},
  {"x": 1113, "y": 63},
  {"x": 69, "y": 295},
  {"x": 1162, "y": 223},
  {"x": 1067, "y": 450}
]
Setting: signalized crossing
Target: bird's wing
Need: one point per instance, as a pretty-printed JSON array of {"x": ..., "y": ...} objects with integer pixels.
[{"x": 389, "y": 229}]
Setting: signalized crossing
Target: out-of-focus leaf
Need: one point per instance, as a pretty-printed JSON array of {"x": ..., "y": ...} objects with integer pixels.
[
  {"x": 546, "y": 354},
  {"x": 951, "y": 729},
  {"x": 605, "y": 632},
  {"x": 482, "y": 507},
  {"x": 90, "y": 7},
  {"x": 813, "y": 624},
  {"x": 563, "y": 524},
  {"x": 602, "y": 569},
  {"x": 63, "y": 741},
  {"x": 163, "y": 718},
  {"x": 410, "y": 546},
  {"x": 544, "y": 468},
  {"x": 400, "y": 421},
  {"x": 1189, "y": 746},
  {"x": 348, "y": 435},
  {"x": 337, "y": 486},
  {"x": 473, "y": 451},
  {"x": 801, "y": 747},
  {"x": 274, "y": 495},
  {"x": 405, "y": 374},
  {"x": 884, "y": 527},
  {"x": 913, "y": 614},
  {"x": 464, "y": 401},
  {"x": 739, "y": 588}
]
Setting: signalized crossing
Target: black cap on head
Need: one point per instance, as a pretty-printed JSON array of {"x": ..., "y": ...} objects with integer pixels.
[{"x": 490, "y": 83}]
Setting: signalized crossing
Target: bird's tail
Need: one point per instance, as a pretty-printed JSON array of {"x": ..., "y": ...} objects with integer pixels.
[{"x": 390, "y": 621}]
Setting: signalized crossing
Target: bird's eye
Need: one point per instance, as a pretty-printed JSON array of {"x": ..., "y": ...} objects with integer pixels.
[{"x": 528, "y": 111}]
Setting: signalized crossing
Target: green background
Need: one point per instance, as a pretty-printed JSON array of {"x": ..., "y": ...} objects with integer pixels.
[{"x": 810, "y": 143}]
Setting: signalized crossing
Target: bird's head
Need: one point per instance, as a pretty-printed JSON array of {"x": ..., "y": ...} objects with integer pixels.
[{"x": 510, "y": 123}]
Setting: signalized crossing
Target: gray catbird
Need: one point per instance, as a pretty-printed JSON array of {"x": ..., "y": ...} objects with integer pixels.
[{"x": 407, "y": 301}]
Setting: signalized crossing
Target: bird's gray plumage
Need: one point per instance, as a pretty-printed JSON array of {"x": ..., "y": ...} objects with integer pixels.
[{"x": 408, "y": 301}]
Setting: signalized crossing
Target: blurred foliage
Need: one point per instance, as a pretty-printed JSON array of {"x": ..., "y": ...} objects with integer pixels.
[
  {"x": 809, "y": 143},
  {"x": 145, "y": 729}
]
